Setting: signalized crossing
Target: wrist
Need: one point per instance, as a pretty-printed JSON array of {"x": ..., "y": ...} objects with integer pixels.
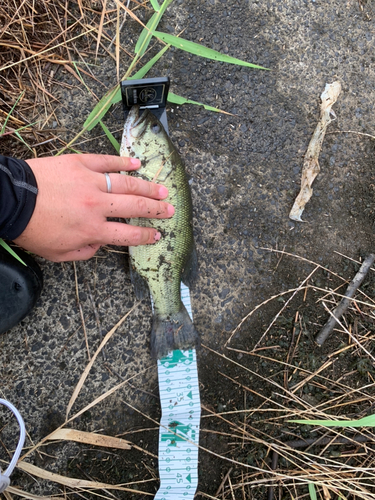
[{"x": 18, "y": 191}]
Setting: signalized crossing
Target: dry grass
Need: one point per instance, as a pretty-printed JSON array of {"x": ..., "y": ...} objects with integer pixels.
[
  {"x": 39, "y": 41},
  {"x": 262, "y": 453},
  {"x": 32, "y": 51},
  {"x": 282, "y": 458}
]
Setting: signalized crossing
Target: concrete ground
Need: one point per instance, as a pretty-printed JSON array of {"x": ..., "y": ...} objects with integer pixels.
[{"x": 245, "y": 169}]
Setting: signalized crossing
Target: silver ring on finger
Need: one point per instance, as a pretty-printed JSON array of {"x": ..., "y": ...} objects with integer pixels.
[{"x": 109, "y": 183}]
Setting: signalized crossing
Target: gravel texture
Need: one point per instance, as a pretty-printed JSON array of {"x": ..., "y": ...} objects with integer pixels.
[{"x": 245, "y": 171}]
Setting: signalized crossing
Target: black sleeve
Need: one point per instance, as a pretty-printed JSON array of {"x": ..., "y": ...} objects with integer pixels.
[{"x": 18, "y": 190}]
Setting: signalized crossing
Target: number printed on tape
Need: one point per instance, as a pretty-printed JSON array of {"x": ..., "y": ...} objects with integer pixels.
[{"x": 179, "y": 425}]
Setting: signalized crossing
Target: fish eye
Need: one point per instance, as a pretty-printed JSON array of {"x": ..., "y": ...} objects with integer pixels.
[{"x": 155, "y": 127}]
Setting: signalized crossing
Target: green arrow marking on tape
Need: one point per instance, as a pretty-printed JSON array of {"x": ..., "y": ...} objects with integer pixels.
[{"x": 179, "y": 424}]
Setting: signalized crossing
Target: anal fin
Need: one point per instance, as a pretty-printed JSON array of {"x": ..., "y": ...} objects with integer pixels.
[
  {"x": 190, "y": 271},
  {"x": 139, "y": 284}
]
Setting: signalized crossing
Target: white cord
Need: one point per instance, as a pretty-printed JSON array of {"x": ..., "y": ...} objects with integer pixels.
[{"x": 4, "y": 477}]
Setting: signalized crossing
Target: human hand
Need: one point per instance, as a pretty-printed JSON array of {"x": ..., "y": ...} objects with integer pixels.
[{"x": 70, "y": 217}]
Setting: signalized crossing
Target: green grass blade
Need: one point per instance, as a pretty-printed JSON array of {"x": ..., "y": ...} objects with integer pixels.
[
  {"x": 18, "y": 130},
  {"x": 100, "y": 109},
  {"x": 200, "y": 50},
  {"x": 149, "y": 33},
  {"x": 11, "y": 111},
  {"x": 109, "y": 135},
  {"x": 22, "y": 140},
  {"x": 117, "y": 96},
  {"x": 142, "y": 72},
  {"x": 312, "y": 491},
  {"x": 104, "y": 104},
  {"x": 155, "y": 5},
  {"x": 177, "y": 99},
  {"x": 143, "y": 36},
  {"x": 73, "y": 150},
  {"x": 80, "y": 76},
  {"x": 146, "y": 68},
  {"x": 368, "y": 421},
  {"x": 12, "y": 252}
]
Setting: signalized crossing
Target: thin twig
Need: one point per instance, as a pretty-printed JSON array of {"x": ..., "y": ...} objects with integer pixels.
[
  {"x": 350, "y": 335},
  {"x": 291, "y": 351},
  {"x": 301, "y": 287},
  {"x": 256, "y": 308},
  {"x": 81, "y": 312},
  {"x": 97, "y": 318},
  {"x": 221, "y": 487},
  {"x": 351, "y": 132},
  {"x": 344, "y": 303}
]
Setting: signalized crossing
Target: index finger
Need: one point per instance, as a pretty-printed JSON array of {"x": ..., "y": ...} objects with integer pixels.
[{"x": 109, "y": 163}]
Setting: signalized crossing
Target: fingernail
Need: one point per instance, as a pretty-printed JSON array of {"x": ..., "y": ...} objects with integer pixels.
[
  {"x": 134, "y": 162},
  {"x": 157, "y": 236},
  {"x": 170, "y": 210},
  {"x": 163, "y": 192}
]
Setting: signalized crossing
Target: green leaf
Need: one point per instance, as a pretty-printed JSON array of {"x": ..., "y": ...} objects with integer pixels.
[
  {"x": 155, "y": 5},
  {"x": 104, "y": 104},
  {"x": 147, "y": 33},
  {"x": 19, "y": 129},
  {"x": 368, "y": 421},
  {"x": 146, "y": 68},
  {"x": 108, "y": 133},
  {"x": 117, "y": 97},
  {"x": 100, "y": 109},
  {"x": 200, "y": 50},
  {"x": 12, "y": 252},
  {"x": 11, "y": 111},
  {"x": 22, "y": 140},
  {"x": 140, "y": 43},
  {"x": 312, "y": 491},
  {"x": 177, "y": 99},
  {"x": 74, "y": 150},
  {"x": 80, "y": 76}
]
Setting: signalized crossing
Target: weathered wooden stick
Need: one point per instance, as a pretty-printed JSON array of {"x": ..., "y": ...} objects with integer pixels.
[
  {"x": 344, "y": 303},
  {"x": 311, "y": 166}
]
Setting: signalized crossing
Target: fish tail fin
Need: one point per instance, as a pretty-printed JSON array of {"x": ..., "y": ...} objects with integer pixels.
[{"x": 177, "y": 332}]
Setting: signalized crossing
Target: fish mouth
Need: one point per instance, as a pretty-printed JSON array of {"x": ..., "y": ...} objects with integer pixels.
[
  {"x": 134, "y": 128},
  {"x": 136, "y": 123},
  {"x": 131, "y": 131}
]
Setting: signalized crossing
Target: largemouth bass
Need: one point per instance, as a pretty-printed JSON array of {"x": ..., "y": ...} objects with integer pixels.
[{"x": 160, "y": 268}]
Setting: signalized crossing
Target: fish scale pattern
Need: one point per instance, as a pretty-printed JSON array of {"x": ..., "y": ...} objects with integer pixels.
[
  {"x": 161, "y": 267},
  {"x": 161, "y": 264}
]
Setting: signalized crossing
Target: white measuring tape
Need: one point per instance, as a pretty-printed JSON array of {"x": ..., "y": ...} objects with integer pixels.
[
  {"x": 179, "y": 425},
  {"x": 4, "y": 476}
]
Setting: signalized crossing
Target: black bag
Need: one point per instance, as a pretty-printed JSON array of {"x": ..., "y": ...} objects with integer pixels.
[{"x": 20, "y": 287}]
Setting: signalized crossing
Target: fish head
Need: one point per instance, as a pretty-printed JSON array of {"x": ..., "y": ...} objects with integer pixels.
[{"x": 146, "y": 139}]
